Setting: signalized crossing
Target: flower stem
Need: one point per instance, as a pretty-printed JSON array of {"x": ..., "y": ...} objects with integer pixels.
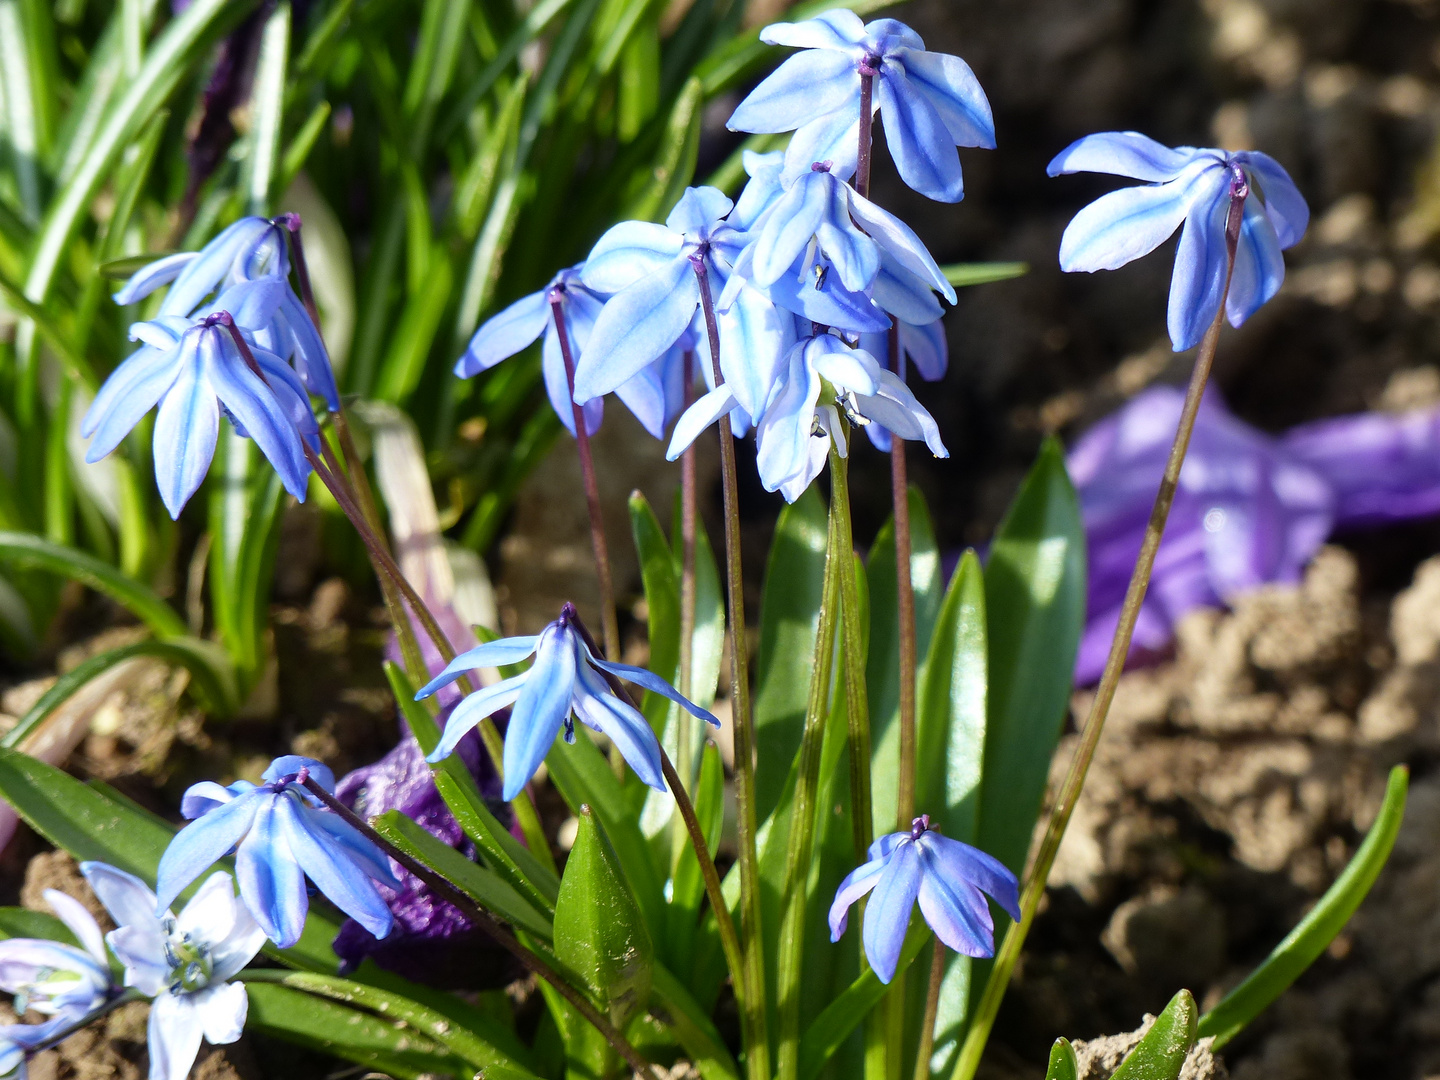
[
  {"x": 109, "y": 1005},
  {"x": 799, "y": 849},
  {"x": 867, "y": 120},
  {"x": 905, "y": 603},
  {"x": 1009, "y": 953},
  {"x": 753, "y": 1018},
  {"x": 932, "y": 1009},
  {"x": 483, "y": 919}
]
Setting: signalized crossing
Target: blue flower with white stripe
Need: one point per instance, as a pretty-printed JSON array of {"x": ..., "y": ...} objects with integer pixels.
[
  {"x": 567, "y": 681},
  {"x": 1190, "y": 186},
  {"x": 950, "y": 880},
  {"x": 54, "y": 978}
]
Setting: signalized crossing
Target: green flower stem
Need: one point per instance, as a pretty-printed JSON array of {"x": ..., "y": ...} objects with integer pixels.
[
  {"x": 688, "y": 502},
  {"x": 483, "y": 919},
  {"x": 989, "y": 1005},
  {"x": 802, "y": 814},
  {"x": 753, "y": 1017}
]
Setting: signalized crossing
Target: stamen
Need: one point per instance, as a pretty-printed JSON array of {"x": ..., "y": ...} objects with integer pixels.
[{"x": 920, "y": 826}]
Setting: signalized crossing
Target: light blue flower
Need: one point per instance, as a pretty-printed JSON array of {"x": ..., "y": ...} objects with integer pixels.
[
  {"x": 949, "y": 878},
  {"x": 567, "y": 678},
  {"x": 760, "y": 191},
  {"x": 194, "y": 371},
  {"x": 517, "y": 327},
  {"x": 925, "y": 347},
  {"x": 1194, "y": 186},
  {"x": 184, "y": 962},
  {"x": 930, "y": 103},
  {"x": 649, "y": 272},
  {"x": 54, "y": 978},
  {"x": 281, "y": 835},
  {"x": 251, "y": 250},
  {"x": 18, "y": 1041}
]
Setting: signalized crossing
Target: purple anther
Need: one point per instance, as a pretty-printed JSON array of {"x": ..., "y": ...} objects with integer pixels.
[
  {"x": 920, "y": 826},
  {"x": 821, "y": 166},
  {"x": 217, "y": 318},
  {"x": 288, "y": 221},
  {"x": 1239, "y": 183}
]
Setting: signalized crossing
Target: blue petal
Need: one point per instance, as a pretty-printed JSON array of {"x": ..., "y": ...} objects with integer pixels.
[
  {"x": 640, "y": 677},
  {"x": 360, "y": 848},
  {"x": 957, "y": 861},
  {"x": 783, "y": 434},
  {"x": 953, "y": 92},
  {"x": 290, "y": 394},
  {"x": 290, "y": 764},
  {"x": 329, "y": 866},
  {"x": 251, "y": 304},
  {"x": 541, "y": 708},
  {"x": 644, "y": 396},
  {"x": 1259, "y": 266},
  {"x": 919, "y": 142},
  {"x": 909, "y": 298},
  {"x": 493, "y": 654},
  {"x": 557, "y": 388},
  {"x": 186, "y": 428},
  {"x": 151, "y": 276},
  {"x": 271, "y": 881},
  {"x": 900, "y": 242},
  {"x": 844, "y": 367},
  {"x": 840, "y": 28},
  {"x": 206, "y": 271},
  {"x": 955, "y": 922},
  {"x": 895, "y": 407},
  {"x": 635, "y": 328},
  {"x": 1124, "y": 225},
  {"x": 631, "y": 733},
  {"x": 199, "y": 799},
  {"x": 200, "y": 844},
  {"x": 698, "y": 209},
  {"x": 834, "y": 137},
  {"x": 251, "y": 401},
  {"x": 761, "y": 190},
  {"x": 310, "y": 357},
  {"x": 1287, "y": 207},
  {"x": 129, "y": 393},
  {"x": 927, "y": 348},
  {"x": 789, "y": 227},
  {"x": 706, "y": 411},
  {"x": 887, "y": 915},
  {"x": 1200, "y": 260},
  {"x": 1122, "y": 153},
  {"x": 891, "y": 35},
  {"x": 502, "y": 336},
  {"x": 754, "y": 338},
  {"x": 830, "y": 305},
  {"x": 856, "y": 884},
  {"x": 855, "y": 255},
  {"x": 806, "y": 87},
  {"x": 475, "y": 707},
  {"x": 628, "y": 252}
]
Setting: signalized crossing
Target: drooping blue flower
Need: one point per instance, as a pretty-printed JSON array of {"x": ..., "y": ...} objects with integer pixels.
[
  {"x": 647, "y": 270},
  {"x": 949, "y": 878},
  {"x": 1194, "y": 186},
  {"x": 283, "y": 835},
  {"x": 183, "y": 962},
  {"x": 194, "y": 371},
  {"x": 54, "y": 978},
  {"x": 930, "y": 103},
  {"x": 517, "y": 327},
  {"x": 925, "y": 347},
  {"x": 566, "y": 681},
  {"x": 253, "y": 250}
]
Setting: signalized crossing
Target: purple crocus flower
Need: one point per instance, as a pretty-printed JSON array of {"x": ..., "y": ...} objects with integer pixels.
[
  {"x": 948, "y": 877},
  {"x": 1192, "y": 186}
]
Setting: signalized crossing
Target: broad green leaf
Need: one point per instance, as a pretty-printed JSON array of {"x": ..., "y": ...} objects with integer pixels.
[
  {"x": 1161, "y": 1053},
  {"x": 600, "y": 935},
  {"x": 882, "y": 669},
  {"x": 963, "y": 274},
  {"x": 18, "y": 922},
  {"x": 1313, "y": 935},
  {"x": 1063, "y": 1065},
  {"x": 1035, "y": 610},
  {"x": 789, "y": 615}
]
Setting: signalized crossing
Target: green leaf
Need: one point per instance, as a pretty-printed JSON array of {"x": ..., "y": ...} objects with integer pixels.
[
  {"x": 709, "y": 641},
  {"x": 600, "y": 934},
  {"x": 25, "y": 550},
  {"x": 662, "y": 601},
  {"x": 1313, "y": 935},
  {"x": 267, "y": 110},
  {"x": 694, "y": 1030},
  {"x": 17, "y": 922},
  {"x": 789, "y": 616},
  {"x": 674, "y": 166},
  {"x": 404, "y": 363},
  {"x": 1063, "y": 1065},
  {"x": 298, "y": 152},
  {"x": 1035, "y": 604},
  {"x": 687, "y": 890},
  {"x": 962, "y": 274},
  {"x": 1161, "y": 1053}
]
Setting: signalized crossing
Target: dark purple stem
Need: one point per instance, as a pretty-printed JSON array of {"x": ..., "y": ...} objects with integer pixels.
[{"x": 862, "y": 157}]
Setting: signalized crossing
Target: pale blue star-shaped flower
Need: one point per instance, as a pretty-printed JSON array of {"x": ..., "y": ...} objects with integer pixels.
[
  {"x": 284, "y": 835},
  {"x": 930, "y": 103},
  {"x": 52, "y": 977},
  {"x": 949, "y": 878},
  {"x": 183, "y": 962},
  {"x": 1194, "y": 186},
  {"x": 567, "y": 678},
  {"x": 253, "y": 249}
]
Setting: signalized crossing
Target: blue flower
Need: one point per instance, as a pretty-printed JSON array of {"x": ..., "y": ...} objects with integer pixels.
[
  {"x": 1193, "y": 186},
  {"x": 54, "y": 978},
  {"x": 184, "y": 962},
  {"x": 949, "y": 879},
  {"x": 567, "y": 677},
  {"x": 649, "y": 271},
  {"x": 251, "y": 250},
  {"x": 18, "y": 1041},
  {"x": 923, "y": 346},
  {"x": 517, "y": 327},
  {"x": 280, "y": 835},
  {"x": 930, "y": 103},
  {"x": 193, "y": 371}
]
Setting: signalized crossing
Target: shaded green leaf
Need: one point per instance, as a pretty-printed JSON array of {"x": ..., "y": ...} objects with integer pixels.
[
  {"x": 1161, "y": 1053},
  {"x": 1063, "y": 1065}
]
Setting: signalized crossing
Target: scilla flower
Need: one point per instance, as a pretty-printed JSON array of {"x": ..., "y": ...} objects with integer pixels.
[
  {"x": 930, "y": 103},
  {"x": 19, "y": 1041},
  {"x": 195, "y": 371},
  {"x": 54, "y": 978},
  {"x": 949, "y": 878},
  {"x": 184, "y": 962},
  {"x": 280, "y": 836},
  {"x": 517, "y": 327},
  {"x": 252, "y": 250},
  {"x": 566, "y": 679},
  {"x": 1193, "y": 186}
]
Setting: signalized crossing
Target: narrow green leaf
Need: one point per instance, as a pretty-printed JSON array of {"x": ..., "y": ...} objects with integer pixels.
[
  {"x": 19, "y": 100},
  {"x": 1035, "y": 604},
  {"x": 962, "y": 274},
  {"x": 267, "y": 110},
  {"x": 600, "y": 935},
  {"x": 1161, "y": 1053},
  {"x": 298, "y": 152},
  {"x": 694, "y": 1030},
  {"x": 674, "y": 166},
  {"x": 661, "y": 582},
  {"x": 1063, "y": 1065},
  {"x": 1313, "y": 935},
  {"x": 687, "y": 890},
  {"x": 709, "y": 640},
  {"x": 789, "y": 615},
  {"x": 404, "y": 363},
  {"x": 18, "y": 922},
  {"x": 130, "y": 181},
  {"x": 124, "y": 267}
]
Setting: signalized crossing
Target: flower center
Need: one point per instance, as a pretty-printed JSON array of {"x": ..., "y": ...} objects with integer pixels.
[
  {"x": 920, "y": 826},
  {"x": 870, "y": 64},
  {"x": 1239, "y": 183},
  {"x": 190, "y": 966}
]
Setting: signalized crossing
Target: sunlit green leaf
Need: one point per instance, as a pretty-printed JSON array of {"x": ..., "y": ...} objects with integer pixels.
[{"x": 1161, "y": 1053}]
